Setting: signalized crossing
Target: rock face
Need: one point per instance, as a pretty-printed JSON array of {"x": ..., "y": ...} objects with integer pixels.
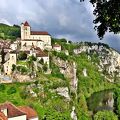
[
  {"x": 65, "y": 67},
  {"x": 73, "y": 114},
  {"x": 85, "y": 72},
  {"x": 109, "y": 59},
  {"x": 63, "y": 91}
]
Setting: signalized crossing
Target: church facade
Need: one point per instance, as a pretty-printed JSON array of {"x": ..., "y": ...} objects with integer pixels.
[{"x": 41, "y": 39}]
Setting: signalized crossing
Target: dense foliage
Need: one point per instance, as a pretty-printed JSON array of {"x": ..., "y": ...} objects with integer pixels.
[
  {"x": 105, "y": 115},
  {"x": 107, "y": 13},
  {"x": 9, "y": 32}
]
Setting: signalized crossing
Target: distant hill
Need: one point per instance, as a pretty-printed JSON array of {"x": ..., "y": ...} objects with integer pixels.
[{"x": 9, "y": 32}]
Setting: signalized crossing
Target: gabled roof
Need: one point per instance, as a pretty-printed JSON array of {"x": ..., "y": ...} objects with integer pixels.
[
  {"x": 2, "y": 116},
  {"x": 39, "y": 33},
  {"x": 26, "y": 24},
  {"x": 13, "y": 111},
  {"x": 29, "y": 112},
  {"x": 40, "y": 53}
]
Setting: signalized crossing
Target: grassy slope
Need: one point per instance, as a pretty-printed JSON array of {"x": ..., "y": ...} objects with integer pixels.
[{"x": 9, "y": 32}]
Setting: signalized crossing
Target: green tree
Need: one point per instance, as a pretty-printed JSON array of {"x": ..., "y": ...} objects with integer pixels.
[
  {"x": 22, "y": 55},
  {"x": 105, "y": 115},
  {"x": 2, "y": 87},
  {"x": 11, "y": 90},
  {"x": 107, "y": 13},
  {"x": 45, "y": 67},
  {"x": 13, "y": 67},
  {"x": 30, "y": 63}
]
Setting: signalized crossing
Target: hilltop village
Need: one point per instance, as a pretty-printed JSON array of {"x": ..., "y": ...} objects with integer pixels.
[{"x": 31, "y": 43}]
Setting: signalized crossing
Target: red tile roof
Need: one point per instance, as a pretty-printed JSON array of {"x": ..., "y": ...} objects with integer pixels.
[
  {"x": 13, "y": 111},
  {"x": 2, "y": 116},
  {"x": 29, "y": 112},
  {"x": 31, "y": 40},
  {"x": 40, "y": 53},
  {"x": 56, "y": 45},
  {"x": 39, "y": 33},
  {"x": 26, "y": 24}
]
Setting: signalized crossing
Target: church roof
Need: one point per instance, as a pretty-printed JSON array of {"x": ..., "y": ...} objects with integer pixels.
[
  {"x": 39, "y": 33},
  {"x": 26, "y": 24}
]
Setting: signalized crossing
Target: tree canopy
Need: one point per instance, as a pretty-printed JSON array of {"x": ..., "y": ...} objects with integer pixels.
[{"x": 107, "y": 13}]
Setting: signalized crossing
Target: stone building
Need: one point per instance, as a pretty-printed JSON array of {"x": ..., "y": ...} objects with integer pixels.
[{"x": 30, "y": 38}]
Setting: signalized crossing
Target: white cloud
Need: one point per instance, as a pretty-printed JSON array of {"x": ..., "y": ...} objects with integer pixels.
[
  {"x": 5, "y": 22},
  {"x": 62, "y": 18}
]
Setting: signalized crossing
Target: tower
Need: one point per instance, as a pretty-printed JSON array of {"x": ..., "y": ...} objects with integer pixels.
[{"x": 25, "y": 31}]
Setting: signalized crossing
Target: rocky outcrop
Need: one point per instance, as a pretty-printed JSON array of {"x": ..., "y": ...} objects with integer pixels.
[
  {"x": 109, "y": 59},
  {"x": 63, "y": 91}
]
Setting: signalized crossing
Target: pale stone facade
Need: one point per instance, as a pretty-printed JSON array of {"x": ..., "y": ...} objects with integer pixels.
[
  {"x": 57, "y": 47},
  {"x": 27, "y": 44},
  {"x": 37, "y": 38},
  {"x": 13, "y": 46},
  {"x": 12, "y": 58},
  {"x": 23, "y": 117}
]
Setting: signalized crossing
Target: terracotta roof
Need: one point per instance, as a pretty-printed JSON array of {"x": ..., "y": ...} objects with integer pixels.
[
  {"x": 39, "y": 33},
  {"x": 29, "y": 112},
  {"x": 56, "y": 45},
  {"x": 40, "y": 53},
  {"x": 2, "y": 116},
  {"x": 13, "y": 111},
  {"x": 26, "y": 24},
  {"x": 13, "y": 52},
  {"x": 31, "y": 40}
]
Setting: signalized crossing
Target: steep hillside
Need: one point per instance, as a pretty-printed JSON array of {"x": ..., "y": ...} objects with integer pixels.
[
  {"x": 97, "y": 69},
  {"x": 9, "y": 32},
  {"x": 77, "y": 72}
]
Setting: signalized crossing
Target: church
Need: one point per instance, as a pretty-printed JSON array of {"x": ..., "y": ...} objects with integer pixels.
[{"x": 41, "y": 39}]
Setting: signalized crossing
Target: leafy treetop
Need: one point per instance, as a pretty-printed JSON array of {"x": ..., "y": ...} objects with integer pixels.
[{"x": 107, "y": 14}]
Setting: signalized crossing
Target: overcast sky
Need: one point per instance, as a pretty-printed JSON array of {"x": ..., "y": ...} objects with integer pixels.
[{"x": 68, "y": 19}]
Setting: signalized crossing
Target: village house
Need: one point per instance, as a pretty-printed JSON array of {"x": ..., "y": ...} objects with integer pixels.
[
  {"x": 10, "y": 59},
  {"x": 8, "y": 111},
  {"x": 57, "y": 47}
]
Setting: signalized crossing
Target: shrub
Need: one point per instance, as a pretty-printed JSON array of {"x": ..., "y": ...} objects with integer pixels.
[
  {"x": 45, "y": 67},
  {"x": 105, "y": 115},
  {"x": 22, "y": 55},
  {"x": 12, "y": 90},
  {"x": 22, "y": 69},
  {"x": 2, "y": 87},
  {"x": 23, "y": 94},
  {"x": 13, "y": 67}
]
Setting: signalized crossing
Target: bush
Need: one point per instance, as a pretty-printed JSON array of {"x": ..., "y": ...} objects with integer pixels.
[
  {"x": 45, "y": 67},
  {"x": 13, "y": 67},
  {"x": 22, "y": 69},
  {"x": 2, "y": 87},
  {"x": 22, "y": 55},
  {"x": 23, "y": 94},
  {"x": 105, "y": 115},
  {"x": 12, "y": 90}
]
